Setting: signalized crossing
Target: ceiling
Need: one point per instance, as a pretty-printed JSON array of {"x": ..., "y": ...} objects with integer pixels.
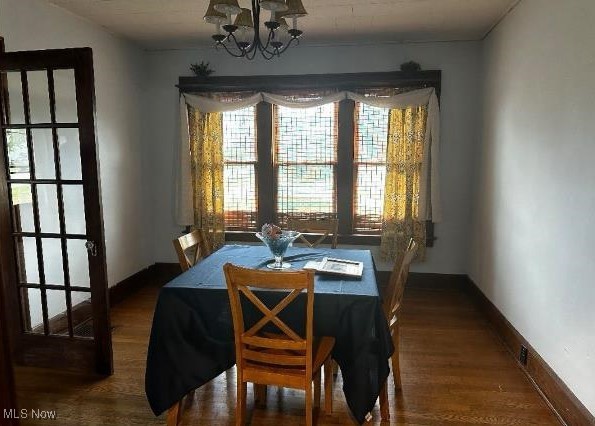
[{"x": 163, "y": 24}]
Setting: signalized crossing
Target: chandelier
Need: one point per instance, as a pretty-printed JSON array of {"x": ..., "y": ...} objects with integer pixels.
[{"x": 242, "y": 37}]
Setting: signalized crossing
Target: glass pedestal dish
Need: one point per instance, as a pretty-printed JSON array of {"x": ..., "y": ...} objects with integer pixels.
[{"x": 278, "y": 246}]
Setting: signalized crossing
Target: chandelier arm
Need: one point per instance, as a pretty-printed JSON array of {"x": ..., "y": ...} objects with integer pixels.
[
  {"x": 267, "y": 55},
  {"x": 243, "y": 52},
  {"x": 265, "y": 47},
  {"x": 284, "y": 48},
  {"x": 251, "y": 55},
  {"x": 231, "y": 52}
]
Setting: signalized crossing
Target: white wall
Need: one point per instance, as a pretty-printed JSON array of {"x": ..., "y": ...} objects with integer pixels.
[
  {"x": 459, "y": 63},
  {"x": 119, "y": 87},
  {"x": 534, "y": 227}
]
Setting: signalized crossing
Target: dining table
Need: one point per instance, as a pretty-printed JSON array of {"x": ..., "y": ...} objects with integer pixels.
[{"x": 192, "y": 339}]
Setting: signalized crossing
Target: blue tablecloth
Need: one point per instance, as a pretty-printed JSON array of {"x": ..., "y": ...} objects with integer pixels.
[{"x": 192, "y": 334}]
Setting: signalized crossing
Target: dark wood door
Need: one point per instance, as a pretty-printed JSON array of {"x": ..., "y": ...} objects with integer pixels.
[{"x": 51, "y": 227}]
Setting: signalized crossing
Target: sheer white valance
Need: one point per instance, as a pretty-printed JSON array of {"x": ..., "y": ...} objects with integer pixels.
[
  {"x": 222, "y": 103},
  {"x": 429, "y": 202}
]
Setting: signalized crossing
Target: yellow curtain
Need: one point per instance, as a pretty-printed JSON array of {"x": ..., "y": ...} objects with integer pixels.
[
  {"x": 206, "y": 152},
  {"x": 406, "y": 132}
]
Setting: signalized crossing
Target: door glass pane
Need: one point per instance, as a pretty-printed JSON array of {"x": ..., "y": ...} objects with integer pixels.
[
  {"x": 74, "y": 209},
  {"x": 43, "y": 152},
  {"x": 18, "y": 155},
  {"x": 15, "y": 97},
  {"x": 26, "y": 253},
  {"x": 65, "y": 90},
  {"x": 78, "y": 263},
  {"x": 31, "y": 309},
  {"x": 22, "y": 207},
  {"x": 52, "y": 261},
  {"x": 47, "y": 201},
  {"x": 82, "y": 319},
  {"x": 39, "y": 99},
  {"x": 70, "y": 154},
  {"x": 57, "y": 316}
]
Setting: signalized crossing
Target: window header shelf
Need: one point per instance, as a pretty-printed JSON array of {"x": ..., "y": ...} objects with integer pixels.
[{"x": 347, "y": 81}]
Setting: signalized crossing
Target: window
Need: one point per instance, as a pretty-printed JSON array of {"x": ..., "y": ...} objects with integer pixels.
[
  {"x": 303, "y": 174},
  {"x": 239, "y": 173},
  {"x": 371, "y": 133},
  {"x": 305, "y": 160},
  {"x": 324, "y": 161}
]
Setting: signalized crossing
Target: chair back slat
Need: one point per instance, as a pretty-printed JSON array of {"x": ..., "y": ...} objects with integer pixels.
[
  {"x": 277, "y": 343},
  {"x": 257, "y": 348},
  {"x": 308, "y": 227},
  {"x": 191, "y": 248},
  {"x": 281, "y": 358},
  {"x": 396, "y": 284}
]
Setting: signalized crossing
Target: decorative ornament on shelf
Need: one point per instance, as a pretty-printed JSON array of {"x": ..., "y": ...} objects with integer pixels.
[
  {"x": 202, "y": 69},
  {"x": 410, "y": 66},
  {"x": 242, "y": 37}
]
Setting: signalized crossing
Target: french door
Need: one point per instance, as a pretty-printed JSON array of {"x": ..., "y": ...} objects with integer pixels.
[{"x": 52, "y": 249}]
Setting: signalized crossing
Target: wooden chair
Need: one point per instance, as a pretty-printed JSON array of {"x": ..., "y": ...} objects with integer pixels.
[
  {"x": 285, "y": 359},
  {"x": 326, "y": 227},
  {"x": 196, "y": 240},
  {"x": 392, "y": 305}
]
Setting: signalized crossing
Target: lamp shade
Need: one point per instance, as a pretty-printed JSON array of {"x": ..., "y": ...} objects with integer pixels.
[
  {"x": 230, "y": 7},
  {"x": 212, "y": 16},
  {"x": 283, "y": 25},
  {"x": 295, "y": 9},
  {"x": 273, "y": 5},
  {"x": 244, "y": 19}
]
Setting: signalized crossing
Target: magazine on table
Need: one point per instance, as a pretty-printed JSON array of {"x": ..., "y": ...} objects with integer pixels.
[{"x": 331, "y": 265}]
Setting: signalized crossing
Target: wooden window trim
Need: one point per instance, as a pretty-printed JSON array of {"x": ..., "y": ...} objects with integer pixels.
[{"x": 265, "y": 172}]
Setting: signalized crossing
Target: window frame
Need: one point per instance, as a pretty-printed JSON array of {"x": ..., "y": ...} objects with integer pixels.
[{"x": 346, "y": 128}]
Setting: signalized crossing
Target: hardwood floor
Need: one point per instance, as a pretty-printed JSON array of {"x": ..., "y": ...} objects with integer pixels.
[{"x": 454, "y": 371}]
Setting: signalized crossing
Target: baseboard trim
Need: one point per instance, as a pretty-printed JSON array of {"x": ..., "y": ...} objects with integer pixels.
[
  {"x": 558, "y": 396},
  {"x": 424, "y": 280},
  {"x": 156, "y": 274}
]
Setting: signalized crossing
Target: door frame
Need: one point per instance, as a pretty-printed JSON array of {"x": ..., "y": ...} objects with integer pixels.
[
  {"x": 52, "y": 352},
  {"x": 8, "y": 399}
]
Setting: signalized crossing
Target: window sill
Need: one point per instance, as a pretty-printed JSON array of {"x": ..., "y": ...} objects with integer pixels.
[{"x": 357, "y": 239}]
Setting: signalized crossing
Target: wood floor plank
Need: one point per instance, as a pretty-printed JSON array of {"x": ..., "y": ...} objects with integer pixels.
[{"x": 454, "y": 372}]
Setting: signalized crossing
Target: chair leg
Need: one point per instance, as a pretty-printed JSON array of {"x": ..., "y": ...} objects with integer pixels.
[
  {"x": 260, "y": 395},
  {"x": 317, "y": 380},
  {"x": 335, "y": 367},
  {"x": 328, "y": 385},
  {"x": 309, "y": 404},
  {"x": 383, "y": 400},
  {"x": 395, "y": 359},
  {"x": 173, "y": 415},
  {"x": 241, "y": 402}
]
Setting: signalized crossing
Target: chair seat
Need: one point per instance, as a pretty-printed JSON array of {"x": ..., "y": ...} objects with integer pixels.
[{"x": 323, "y": 347}]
